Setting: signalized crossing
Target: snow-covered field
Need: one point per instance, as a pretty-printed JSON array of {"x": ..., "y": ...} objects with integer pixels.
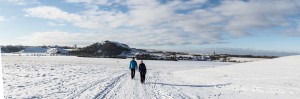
[
  {"x": 97, "y": 78},
  {"x": 241, "y": 59}
]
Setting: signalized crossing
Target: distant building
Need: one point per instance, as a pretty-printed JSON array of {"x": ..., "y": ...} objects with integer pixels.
[
  {"x": 184, "y": 57},
  {"x": 201, "y": 58},
  {"x": 57, "y": 51},
  {"x": 75, "y": 46}
]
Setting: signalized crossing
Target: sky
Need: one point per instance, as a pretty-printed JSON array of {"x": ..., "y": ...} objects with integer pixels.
[{"x": 179, "y": 25}]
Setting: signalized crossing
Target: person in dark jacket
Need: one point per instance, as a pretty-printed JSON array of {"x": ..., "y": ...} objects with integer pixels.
[
  {"x": 132, "y": 67},
  {"x": 143, "y": 71}
]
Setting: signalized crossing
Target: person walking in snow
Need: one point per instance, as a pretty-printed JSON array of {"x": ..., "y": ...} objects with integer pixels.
[
  {"x": 132, "y": 67},
  {"x": 143, "y": 71}
]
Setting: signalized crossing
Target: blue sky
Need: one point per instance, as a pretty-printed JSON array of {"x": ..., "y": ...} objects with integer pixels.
[{"x": 182, "y": 25}]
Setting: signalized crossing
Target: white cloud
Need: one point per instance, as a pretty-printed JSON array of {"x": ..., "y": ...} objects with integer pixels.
[
  {"x": 298, "y": 27},
  {"x": 149, "y": 22},
  {"x": 102, "y": 2},
  {"x": 2, "y": 18},
  {"x": 292, "y": 30},
  {"x": 17, "y": 2},
  {"x": 150, "y": 16},
  {"x": 79, "y": 1},
  {"x": 256, "y": 14},
  {"x": 54, "y": 13},
  {"x": 56, "y": 24},
  {"x": 54, "y": 38}
]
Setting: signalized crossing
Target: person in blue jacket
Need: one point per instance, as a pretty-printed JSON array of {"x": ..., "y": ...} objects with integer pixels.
[{"x": 132, "y": 67}]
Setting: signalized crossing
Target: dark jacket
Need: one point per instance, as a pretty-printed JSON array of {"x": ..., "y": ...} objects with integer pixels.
[{"x": 142, "y": 68}]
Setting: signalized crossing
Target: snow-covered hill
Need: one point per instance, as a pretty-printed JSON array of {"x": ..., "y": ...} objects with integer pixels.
[
  {"x": 41, "y": 50},
  {"x": 98, "y": 78},
  {"x": 34, "y": 50}
]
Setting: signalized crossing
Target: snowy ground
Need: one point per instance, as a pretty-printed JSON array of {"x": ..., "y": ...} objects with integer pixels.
[
  {"x": 97, "y": 78},
  {"x": 241, "y": 59}
]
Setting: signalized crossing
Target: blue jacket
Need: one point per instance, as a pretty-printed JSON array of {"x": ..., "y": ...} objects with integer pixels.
[{"x": 133, "y": 64}]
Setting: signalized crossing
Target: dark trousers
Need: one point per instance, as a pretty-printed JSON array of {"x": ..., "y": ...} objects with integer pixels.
[
  {"x": 143, "y": 77},
  {"x": 132, "y": 73}
]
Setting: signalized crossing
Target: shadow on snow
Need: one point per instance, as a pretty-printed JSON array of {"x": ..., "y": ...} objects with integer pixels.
[{"x": 165, "y": 84}]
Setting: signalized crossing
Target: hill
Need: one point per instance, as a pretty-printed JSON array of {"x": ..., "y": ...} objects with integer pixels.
[{"x": 107, "y": 49}]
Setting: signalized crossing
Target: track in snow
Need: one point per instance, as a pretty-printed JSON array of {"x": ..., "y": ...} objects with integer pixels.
[
  {"x": 93, "y": 78},
  {"x": 98, "y": 90},
  {"x": 122, "y": 86},
  {"x": 125, "y": 87}
]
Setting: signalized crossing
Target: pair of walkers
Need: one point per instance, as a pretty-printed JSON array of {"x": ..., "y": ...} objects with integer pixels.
[{"x": 142, "y": 69}]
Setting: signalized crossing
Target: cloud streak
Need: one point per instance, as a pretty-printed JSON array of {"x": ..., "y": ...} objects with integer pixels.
[
  {"x": 240, "y": 51},
  {"x": 22, "y": 2},
  {"x": 130, "y": 37},
  {"x": 2, "y": 18}
]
